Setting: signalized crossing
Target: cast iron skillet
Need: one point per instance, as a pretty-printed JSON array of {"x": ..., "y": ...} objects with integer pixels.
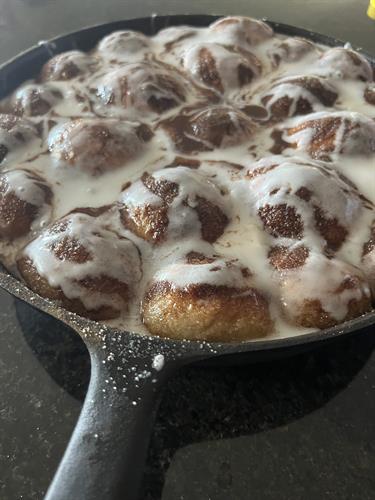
[{"x": 105, "y": 456}]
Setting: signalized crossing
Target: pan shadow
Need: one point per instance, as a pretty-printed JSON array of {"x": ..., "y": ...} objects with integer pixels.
[
  {"x": 215, "y": 403},
  {"x": 58, "y": 348},
  {"x": 202, "y": 403}
]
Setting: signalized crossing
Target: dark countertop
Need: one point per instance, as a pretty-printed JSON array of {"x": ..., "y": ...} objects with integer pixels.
[{"x": 300, "y": 428}]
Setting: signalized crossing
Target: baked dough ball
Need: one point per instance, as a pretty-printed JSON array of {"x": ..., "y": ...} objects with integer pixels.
[
  {"x": 221, "y": 68},
  {"x": 242, "y": 31},
  {"x": 297, "y": 96},
  {"x": 324, "y": 135},
  {"x": 84, "y": 266},
  {"x": 15, "y": 133},
  {"x": 67, "y": 66},
  {"x": 206, "y": 298},
  {"x": 324, "y": 293},
  {"x": 175, "y": 37},
  {"x": 304, "y": 201},
  {"x": 35, "y": 100},
  {"x": 25, "y": 198},
  {"x": 173, "y": 203},
  {"x": 205, "y": 129},
  {"x": 291, "y": 50},
  {"x": 344, "y": 64},
  {"x": 143, "y": 87},
  {"x": 97, "y": 145},
  {"x": 123, "y": 43}
]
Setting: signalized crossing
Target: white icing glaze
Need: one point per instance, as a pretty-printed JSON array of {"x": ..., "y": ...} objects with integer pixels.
[
  {"x": 218, "y": 273},
  {"x": 96, "y": 92},
  {"x": 138, "y": 195}
]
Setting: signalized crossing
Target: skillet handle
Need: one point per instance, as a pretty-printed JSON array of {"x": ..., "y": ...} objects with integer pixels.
[{"x": 106, "y": 453}]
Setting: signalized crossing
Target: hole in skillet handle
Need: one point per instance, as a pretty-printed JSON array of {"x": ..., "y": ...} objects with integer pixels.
[{"x": 106, "y": 453}]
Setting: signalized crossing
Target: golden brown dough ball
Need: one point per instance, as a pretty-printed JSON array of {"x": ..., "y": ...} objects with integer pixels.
[
  {"x": 297, "y": 96},
  {"x": 144, "y": 212},
  {"x": 144, "y": 87},
  {"x": 97, "y": 145},
  {"x": 322, "y": 135},
  {"x": 221, "y": 68},
  {"x": 208, "y": 128},
  {"x": 15, "y": 133},
  {"x": 82, "y": 265},
  {"x": 173, "y": 203},
  {"x": 324, "y": 293},
  {"x": 305, "y": 201},
  {"x": 24, "y": 198},
  {"x": 241, "y": 31},
  {"x": 124, "y": 43},
  {"x": 345, "y": 64},
  {"x": 291, "y": 50},
  {"x": 218, "y": 305},
  {"x": 35, "y": 100},
  {"x": 67, "y": 66}
]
